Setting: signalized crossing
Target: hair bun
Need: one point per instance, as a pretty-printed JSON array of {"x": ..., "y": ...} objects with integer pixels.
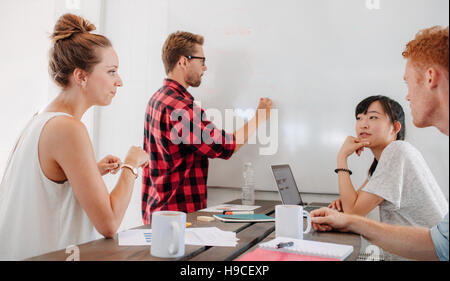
[{"x": 69, "y": 24}]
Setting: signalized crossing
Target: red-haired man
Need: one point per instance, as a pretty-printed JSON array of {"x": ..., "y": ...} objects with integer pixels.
[{"x": 427, "y": 77}]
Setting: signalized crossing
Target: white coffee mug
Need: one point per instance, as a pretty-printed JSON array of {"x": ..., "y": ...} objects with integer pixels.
[
  {"x": 168, "y": 229},
  {"x": 289, "y": 221}
]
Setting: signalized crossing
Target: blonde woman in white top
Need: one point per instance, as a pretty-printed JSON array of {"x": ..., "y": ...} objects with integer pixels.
[{"x": 52, "y": 194}]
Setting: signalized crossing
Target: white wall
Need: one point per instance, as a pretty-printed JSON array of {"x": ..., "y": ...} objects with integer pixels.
[
  {"x": 247, "y": 43},
  {"x": 315, "y": 59},
  {"x": 24, "y": 83}
]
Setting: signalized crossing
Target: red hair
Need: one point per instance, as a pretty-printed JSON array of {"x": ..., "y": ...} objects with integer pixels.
[{"x": 430, "y": 47}]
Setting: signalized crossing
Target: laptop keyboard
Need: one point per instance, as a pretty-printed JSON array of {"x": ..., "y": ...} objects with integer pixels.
[{"x": 311, "y": 208}]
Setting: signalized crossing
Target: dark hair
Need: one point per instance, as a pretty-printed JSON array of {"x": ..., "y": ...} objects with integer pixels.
[
  {"x": 73, "y": 47},
  {"x": 392, "y": 108}
]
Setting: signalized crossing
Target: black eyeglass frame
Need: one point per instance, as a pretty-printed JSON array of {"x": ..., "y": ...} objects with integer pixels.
[{"x": 194, "y": 57}]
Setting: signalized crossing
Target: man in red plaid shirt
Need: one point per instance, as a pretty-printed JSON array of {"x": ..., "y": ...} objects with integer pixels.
[{"x": 178, "y": 138}]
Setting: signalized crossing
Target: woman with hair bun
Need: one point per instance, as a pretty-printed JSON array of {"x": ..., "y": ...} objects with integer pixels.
[{"x": 52, "y": 194}]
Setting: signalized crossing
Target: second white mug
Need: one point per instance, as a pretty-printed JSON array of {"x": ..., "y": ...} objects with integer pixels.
[{"x": 289, "y": 221}]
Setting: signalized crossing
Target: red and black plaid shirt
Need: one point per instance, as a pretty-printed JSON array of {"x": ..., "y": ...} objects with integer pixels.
[{"x": 177, "y": 174}]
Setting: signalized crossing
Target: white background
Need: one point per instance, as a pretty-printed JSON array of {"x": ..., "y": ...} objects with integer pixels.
[{"x": 315, "y": 59}]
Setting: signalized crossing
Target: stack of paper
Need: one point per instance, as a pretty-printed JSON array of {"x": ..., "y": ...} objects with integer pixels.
[
  {"x": 210, "y": 236},
  {"x": 202, "y": 236},
  {"x": 229, "y": 207},
  {"x": 135, "y": 237}
]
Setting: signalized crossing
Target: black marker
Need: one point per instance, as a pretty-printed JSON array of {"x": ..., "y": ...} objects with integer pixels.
[{"x": 284, "y": 245}]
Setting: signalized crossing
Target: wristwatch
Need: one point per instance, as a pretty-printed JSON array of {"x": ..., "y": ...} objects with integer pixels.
[{"x": 133, "y": 169}]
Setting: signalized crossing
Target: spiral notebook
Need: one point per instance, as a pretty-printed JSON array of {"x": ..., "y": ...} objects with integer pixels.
[{"x": 310, "y": 248}]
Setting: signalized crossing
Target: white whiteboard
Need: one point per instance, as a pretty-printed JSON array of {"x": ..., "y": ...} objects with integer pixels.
[{"x": 316, "y": 60}]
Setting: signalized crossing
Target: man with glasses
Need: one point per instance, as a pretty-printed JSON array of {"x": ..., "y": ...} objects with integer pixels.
[{"x": 177, "y": 136}]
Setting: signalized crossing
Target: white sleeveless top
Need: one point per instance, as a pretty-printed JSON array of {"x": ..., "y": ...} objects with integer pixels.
[{"x": 37, "y": 215}]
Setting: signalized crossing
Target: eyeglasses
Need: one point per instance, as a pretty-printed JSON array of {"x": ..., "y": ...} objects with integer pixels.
[{"x": 200, "y": 58}]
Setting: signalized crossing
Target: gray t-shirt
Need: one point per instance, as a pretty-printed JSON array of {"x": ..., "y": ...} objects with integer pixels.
[{"x": 410, "y": 191}]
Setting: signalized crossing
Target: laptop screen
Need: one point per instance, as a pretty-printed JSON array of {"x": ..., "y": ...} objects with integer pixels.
[{"x": 286, "y": 185}]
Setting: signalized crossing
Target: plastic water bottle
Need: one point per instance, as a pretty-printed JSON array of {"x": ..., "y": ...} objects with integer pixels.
[{"x": 248, "y": 190}]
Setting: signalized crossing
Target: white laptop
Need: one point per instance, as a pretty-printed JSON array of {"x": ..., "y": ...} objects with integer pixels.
[{"x": 288, "y": 189}]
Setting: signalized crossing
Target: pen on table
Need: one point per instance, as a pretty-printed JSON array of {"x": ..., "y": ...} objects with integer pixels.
[
  {"x": 237, "y": 212},
  {"x": 285, "y": 245}
]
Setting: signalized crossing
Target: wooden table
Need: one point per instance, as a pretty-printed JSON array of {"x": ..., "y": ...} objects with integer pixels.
[{"x": 249, "y": 234}]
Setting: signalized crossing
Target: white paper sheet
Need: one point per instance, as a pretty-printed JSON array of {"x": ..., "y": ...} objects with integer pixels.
[
  {"x": 135, "y": 237},
  {"x": 228, "y": 207},
  {"x": 202, "y": 236},
  {"x": 210, "y": 236}
]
